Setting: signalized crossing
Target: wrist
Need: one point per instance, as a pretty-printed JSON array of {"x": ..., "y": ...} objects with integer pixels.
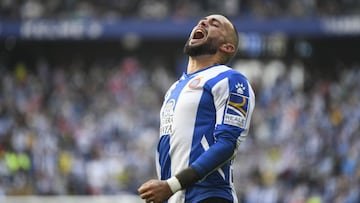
[
  {"x": 174, "y": 184},
  {"x": 187, "y": 177}
]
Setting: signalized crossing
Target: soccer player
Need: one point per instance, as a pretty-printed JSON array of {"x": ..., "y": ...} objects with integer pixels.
[{"x": 205, "y": 116}]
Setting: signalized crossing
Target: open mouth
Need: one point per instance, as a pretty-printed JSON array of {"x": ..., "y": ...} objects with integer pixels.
[{"x": 199, "y": 34}]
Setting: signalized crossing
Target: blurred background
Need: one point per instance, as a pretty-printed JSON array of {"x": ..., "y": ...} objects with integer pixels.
[{"x": 82, "y": 83}]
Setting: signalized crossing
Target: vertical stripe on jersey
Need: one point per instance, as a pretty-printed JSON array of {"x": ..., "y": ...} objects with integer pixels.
[
  {"x": 185, "y": 114},
  {"x": 164, "y": 159},
  {"x": 205, "y": 117},
  {"x": 165, "y": 140},
  {"x": 185, "y": 134}
]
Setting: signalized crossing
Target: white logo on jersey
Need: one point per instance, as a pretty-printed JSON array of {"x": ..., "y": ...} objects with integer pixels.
[
  {"x": 167, "y": 118},
  {"x": 240, "y": 88}
]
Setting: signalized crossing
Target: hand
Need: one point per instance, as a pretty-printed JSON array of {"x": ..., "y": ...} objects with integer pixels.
[{"x": 155, "y": 191}]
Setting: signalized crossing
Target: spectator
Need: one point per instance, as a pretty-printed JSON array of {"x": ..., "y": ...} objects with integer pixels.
[{"x": 70, "y": 122}]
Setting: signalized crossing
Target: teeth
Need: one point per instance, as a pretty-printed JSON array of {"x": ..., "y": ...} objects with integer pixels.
[{"x": 198, "y": 34}]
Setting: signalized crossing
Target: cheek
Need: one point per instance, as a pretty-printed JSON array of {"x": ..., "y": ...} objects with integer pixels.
[
  {"x": 217, "y": 34},
  {"x": 217, "y": 39}
]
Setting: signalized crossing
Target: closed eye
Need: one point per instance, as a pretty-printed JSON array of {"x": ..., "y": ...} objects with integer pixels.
[{"x": 215, "y": 22}]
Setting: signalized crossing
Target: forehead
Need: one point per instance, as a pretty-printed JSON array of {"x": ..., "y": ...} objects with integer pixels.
[{"x": 220, "y": 18}]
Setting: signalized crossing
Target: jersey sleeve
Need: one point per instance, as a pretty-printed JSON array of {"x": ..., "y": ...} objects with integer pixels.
[
  {"x": 235, "y": 109},
  {"x": 234, "y": 101}
]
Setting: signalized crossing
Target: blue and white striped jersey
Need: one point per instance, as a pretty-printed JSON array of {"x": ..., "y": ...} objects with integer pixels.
[{"x": 204, "y": 117}]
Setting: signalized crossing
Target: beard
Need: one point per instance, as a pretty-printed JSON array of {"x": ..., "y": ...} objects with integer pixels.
[{"x": 207, "y": 48}]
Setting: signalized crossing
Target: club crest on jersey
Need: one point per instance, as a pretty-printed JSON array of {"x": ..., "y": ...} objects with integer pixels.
[
  {"x": 194, "y": 83},
  {"x": 236, "y": 110}
]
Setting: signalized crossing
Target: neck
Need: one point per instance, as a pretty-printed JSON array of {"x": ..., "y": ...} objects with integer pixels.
[{"x": 200, "y": 62}]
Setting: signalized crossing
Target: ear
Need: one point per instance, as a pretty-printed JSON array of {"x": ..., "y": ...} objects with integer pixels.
[{"x": 227, "y": 48}]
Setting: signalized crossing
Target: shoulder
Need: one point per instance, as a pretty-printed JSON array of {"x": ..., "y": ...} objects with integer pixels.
[
  {"x": 223, "y": 72},
  {"x": 232, "y": 80}
]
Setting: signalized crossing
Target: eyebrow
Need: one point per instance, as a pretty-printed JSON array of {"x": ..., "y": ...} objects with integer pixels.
[{"x": 212, "y": 20}]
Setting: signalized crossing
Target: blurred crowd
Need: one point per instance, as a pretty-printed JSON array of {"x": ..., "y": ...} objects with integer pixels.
[
  {"x": 304, "y": 144},
  {"x": 160, "y": 9},
  {"x": 78, "y": 130},
  {"x": 92, "y": 129}
]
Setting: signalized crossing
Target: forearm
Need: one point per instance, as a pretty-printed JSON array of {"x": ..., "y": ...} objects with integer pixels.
[{"x": 218, "y": 154}]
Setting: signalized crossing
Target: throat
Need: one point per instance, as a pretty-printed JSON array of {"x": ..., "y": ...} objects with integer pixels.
[{"x": 199, "y": 63}]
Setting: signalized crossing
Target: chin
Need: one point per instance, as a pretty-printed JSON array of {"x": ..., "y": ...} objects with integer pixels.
[{"x": 200, "y": 48}]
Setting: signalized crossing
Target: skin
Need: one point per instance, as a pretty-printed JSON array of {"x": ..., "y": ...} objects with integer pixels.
[
  {"x": 221, "y": 30},
  {"x": 155, "y": 191}
]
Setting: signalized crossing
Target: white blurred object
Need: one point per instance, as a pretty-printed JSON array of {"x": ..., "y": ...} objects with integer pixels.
[
  {"x": 123, "y": 198},
  {"x": 297, "y": 75},
  {"x": 32, "y": 9},
  {"x": 252, "y": 69},
  {"x": 272, "y": 72}
]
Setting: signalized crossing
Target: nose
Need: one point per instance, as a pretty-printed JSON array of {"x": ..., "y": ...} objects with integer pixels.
[{"x": 203, "y": 22}]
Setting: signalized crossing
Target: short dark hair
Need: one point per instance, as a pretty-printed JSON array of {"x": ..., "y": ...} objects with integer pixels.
[{"x": 235, "y": 33}]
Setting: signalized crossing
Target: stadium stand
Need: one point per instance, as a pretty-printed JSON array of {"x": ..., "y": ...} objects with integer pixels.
[{"x": 80, "y": 116}]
